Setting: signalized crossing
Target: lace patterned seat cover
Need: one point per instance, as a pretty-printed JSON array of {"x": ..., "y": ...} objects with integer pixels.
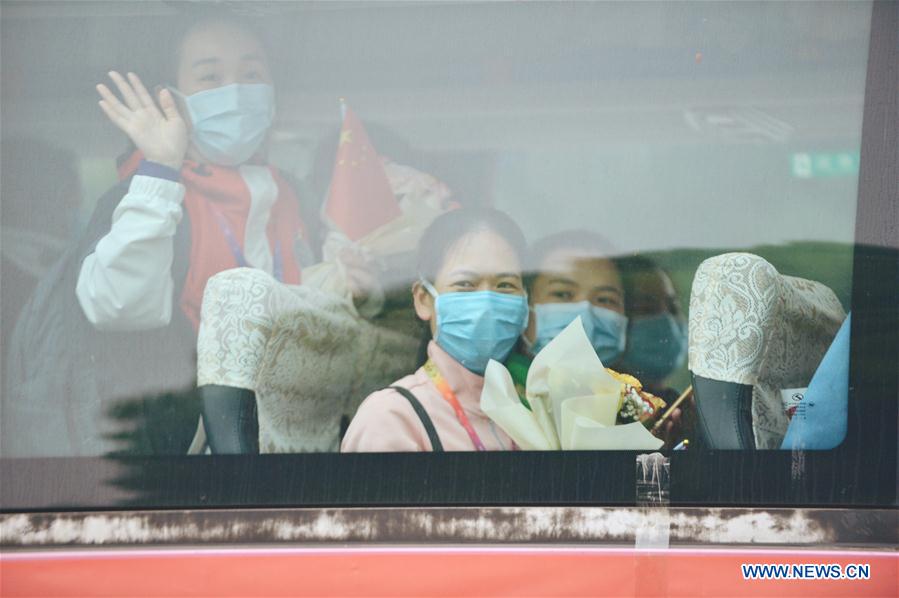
[
  {"x": 751, "y": 325},
  {"x": 306, "y": 353}
]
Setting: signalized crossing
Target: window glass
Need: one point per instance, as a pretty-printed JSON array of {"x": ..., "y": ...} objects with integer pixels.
[{"x": 230, "y": 228}]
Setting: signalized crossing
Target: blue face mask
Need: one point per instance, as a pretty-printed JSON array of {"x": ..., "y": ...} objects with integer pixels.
[
  {"x": 477, "y": 326},
  {"x": 605, "y": 328},
  {"x": 656, "y": 346},
  {"x": 230, "y": 122}
]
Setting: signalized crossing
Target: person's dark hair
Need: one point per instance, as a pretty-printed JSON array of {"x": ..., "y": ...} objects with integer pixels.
[
  {"x": 630, "y": 267},
  {"x": 31, "y": 200},
  {"x": 577, "y": 239},
  {"x": 191, "y": 20},
  {"x": 636, "y": 264},
  {"x": 447, "y": 229},
  {"x": 583, "y": 240}
]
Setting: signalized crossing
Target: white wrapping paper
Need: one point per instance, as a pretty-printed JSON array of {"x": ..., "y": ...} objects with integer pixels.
[{"x": 574, "y": 401}]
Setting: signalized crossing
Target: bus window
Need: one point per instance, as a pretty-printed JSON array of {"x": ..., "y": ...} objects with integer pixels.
[{"x": 297, "y": 229}]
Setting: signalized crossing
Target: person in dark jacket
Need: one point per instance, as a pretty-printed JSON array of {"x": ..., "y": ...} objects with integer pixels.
[
  {"x": 657, "y": 327},
  {"x": 38, "y": 221}
]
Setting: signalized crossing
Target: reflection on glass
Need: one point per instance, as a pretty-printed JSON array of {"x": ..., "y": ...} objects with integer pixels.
[{"x": 246, "y": 272}]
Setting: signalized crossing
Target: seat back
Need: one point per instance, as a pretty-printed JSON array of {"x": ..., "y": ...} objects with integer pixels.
[
  {"x": 750, "y": 326},
  {"x": 306, "y": 353}
]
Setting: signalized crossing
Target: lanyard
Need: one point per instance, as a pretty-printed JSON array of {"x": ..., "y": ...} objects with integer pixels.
[
  {"x": 237, "y": 252},
  {"x": 448, "y": 394}
]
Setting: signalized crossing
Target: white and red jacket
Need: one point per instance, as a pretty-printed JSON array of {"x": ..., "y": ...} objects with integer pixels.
[{"x": 126, "y": 283}]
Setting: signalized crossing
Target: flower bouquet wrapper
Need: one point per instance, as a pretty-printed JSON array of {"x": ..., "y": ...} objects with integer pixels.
[
  {"x": 574, "y": 401},
  {"x": 500, "y": 402}
]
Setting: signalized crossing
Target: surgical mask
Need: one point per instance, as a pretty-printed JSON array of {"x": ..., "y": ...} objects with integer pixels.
[
  {"x": 230, "y": 122},
  {"x": 656, "y": 346},
  {"x": 605, "y": 328},
  {"x": 474, "y": 327}
]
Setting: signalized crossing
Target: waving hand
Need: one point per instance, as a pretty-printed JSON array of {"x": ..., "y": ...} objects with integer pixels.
[{"x": 159, "y": 132}]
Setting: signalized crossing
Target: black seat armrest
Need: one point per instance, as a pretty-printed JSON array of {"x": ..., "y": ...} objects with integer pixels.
[
  {"x": 724, "y": 412},
  {"x": 230, "y": 419}
]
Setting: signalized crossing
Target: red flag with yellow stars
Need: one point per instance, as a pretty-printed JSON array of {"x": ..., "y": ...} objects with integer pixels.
[{"x": 360, "y": 198}]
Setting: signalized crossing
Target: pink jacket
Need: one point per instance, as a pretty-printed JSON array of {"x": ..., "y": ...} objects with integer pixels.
[{"x": 386, "y": 422}]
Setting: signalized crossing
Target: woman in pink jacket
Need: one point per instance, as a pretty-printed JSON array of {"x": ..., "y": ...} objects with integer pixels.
[{"x": 471, "y": 296}]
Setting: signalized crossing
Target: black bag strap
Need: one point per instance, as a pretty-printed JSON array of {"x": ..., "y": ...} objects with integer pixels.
[{"x": 436, "y": 445}]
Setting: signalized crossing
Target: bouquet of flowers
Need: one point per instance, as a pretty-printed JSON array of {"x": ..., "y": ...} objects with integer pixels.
[
  {"x": 575, "y": 402},
  {"x": 636, "y": 405}
]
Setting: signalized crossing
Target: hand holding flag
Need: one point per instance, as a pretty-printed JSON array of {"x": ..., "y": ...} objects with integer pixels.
[{"x": 360, "y": 198}]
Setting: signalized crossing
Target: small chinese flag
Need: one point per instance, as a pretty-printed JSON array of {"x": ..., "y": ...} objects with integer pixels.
[{"x": 360, "y": 198}]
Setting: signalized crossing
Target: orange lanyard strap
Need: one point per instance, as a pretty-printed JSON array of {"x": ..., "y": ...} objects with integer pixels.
[{"x": 448, "y": 394}]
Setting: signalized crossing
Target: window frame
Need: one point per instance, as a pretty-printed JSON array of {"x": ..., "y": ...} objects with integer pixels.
[{"x": 859, "y": 473}]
